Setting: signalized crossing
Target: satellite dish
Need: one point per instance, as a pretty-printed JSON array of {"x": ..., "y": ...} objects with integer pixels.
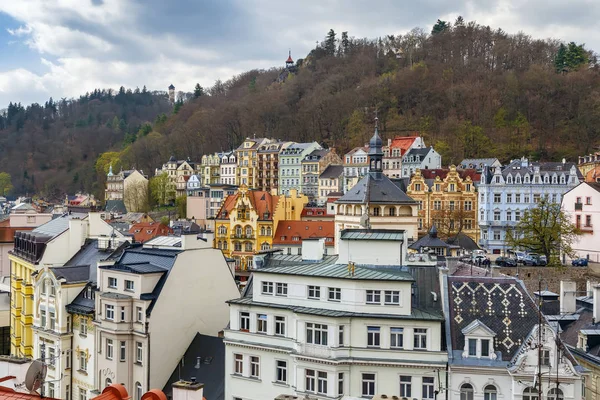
[{"x": 35, "y": 375}]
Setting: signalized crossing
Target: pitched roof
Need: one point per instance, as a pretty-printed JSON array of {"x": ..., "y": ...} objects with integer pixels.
[
  {"x": 430, "y": 240},
  {"x": 75, "y": 274},
  {"x": 89, "y": 254},
  {"x": 56, "y": 226},
  {"x": 144, "y": 231},
  {"x": 372, "y": 234},
  {"x": 477, "y": 163},
  {"x": 341, "y": 271},
  {"x": 211, "y": 351},
  {"x": 82, "y": 303},
  {"x": 594, "y": 185},
  {"x": 332, "y": 171},
  {"x": 287, "y": 230},
  {"x": 443, "y": 173},
  {"x": 115, "y": 206},
  {"x": 10, "y": 394},
  {"x": 502, "y": 304},
  {"x": 403, "y": 143},
  {"x": 261, "y": 201},
  {"x": 375, "y": 188},
  {"x": 117, "y": 391},
  {"x": 422, "y": 152},
  {"x": 463, "y": 241}
]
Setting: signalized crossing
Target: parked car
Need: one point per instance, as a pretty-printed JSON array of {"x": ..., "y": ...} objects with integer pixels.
[
  {"x": 479, "y": 260},
  {"x": 506, "y": 262},
  {"x": 519, "y": 256},
  {"x": 534, "y": 260},
  {"x": 580, "y": 262}
]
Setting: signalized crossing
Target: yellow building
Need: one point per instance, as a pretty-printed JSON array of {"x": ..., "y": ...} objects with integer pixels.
[
  {"x": 247, "y": 220},
  {"x": 210, "y": 168},
  {"x": 448, "y": 199},
  {"x": 247, "y": 161}
]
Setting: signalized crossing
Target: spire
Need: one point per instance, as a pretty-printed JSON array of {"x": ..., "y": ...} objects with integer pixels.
[
  {"x": 289, "y": 62},
  {"x": 433, "y": 231},
  {"x": 375, "y": 151},
  {"x": 110, "y": 171}
]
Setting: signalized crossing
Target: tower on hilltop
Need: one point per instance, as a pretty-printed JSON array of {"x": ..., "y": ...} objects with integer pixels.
[
  {"x": 172, "y": 93},
  {"x": 289, "y": 63}
]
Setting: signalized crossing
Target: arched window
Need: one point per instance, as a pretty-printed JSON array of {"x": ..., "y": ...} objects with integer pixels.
[
  {"x": 555, "y": 394},
  {"x": 224, "y": 245},
  {"x": 269, "y": 232},
  {"x": 530, "y": 393},
  {"x": 138, "y": 391},
  {"x": 466, "y": 392},
  {"x": 376, "y": 211},
  {"x": 238, "y": 231},
  {"x": 265, "y": 246},
  {"x": 237, "y": 246},
  {"x": 248, "y": 231},
  {"x": 518, "y": 179},
  {"x": 107, "y": 382},
  {"x": 262, "y": 231},
  {"x": 223, "y": 230},
  {"x": 490, "y": 393},
  {"x": 392, "y": 211},
  {"x": 509, "y": 179}
]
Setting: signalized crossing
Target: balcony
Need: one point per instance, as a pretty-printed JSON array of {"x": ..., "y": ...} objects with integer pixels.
[
  {"x": 315, "y": 350},
  {"x": 578, "y": 206},
  {"x": 242, "y": 236}
]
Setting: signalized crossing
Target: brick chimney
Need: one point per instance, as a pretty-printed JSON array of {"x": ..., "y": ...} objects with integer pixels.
[
  {"x": 188, "y": 390},
  {"x": 567, "y": 297}
]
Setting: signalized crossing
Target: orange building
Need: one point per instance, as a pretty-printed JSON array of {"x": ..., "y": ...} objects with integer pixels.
[
  {"x": 290, "y": 234},
  {"x": 144, "y": 231}
]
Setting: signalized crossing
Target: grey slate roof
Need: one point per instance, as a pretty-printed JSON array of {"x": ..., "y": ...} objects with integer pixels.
[
  {"x": 477, "y": 163},
  {"x": 463, "y": 241},
  {"x": 89, "y": 255},
  {"x": 375, "y": 188},
  {"x": 430, "y": 240},
  {"x": 115, "y": 206},
  {"x": 138, "y": 268},
  {"x": 81, "y": 304},
  {"x": 416, "y": 314},
  {"x": 502, "y": 304},
  {"x": 332, "y": 172},
  {"x": 372, "y": 234},
  {"x": 340, "y": 271},
  {"x": 74, "y": 274},
  {"x": 422, "y": 152},
  {"x": 56, "y": 226},
  {"x": 211, "y": 351}
]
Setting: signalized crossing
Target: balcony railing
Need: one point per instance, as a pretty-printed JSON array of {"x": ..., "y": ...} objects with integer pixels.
[
  {"x": 578, "y": 206},
  {"x": 242, "y": 236},
  {"x": 315, "y": 350}
]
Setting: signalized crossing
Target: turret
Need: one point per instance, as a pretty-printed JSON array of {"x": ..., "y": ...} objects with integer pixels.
[
  {"x": 375, "y": 152},
  {"x": 289, "y": 63},
  {"x": 172, "y": 93}
]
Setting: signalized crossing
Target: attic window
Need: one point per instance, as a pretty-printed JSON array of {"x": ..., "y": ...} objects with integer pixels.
[
  {"x": 137, "y": 231},
  {"x": 478, "y": 341},
  {"x": 306, "y": 227},
  {"x": 296, "y": 238}
]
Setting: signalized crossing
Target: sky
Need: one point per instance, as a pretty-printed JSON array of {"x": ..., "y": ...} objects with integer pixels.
[{"x": 64, "y": 48}]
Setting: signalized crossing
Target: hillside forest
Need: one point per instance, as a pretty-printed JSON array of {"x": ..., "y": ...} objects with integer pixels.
[{"x": 470, "y": 90}]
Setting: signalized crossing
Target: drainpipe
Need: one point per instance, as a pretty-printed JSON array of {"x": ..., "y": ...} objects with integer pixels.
[
  {"x": 71, "y": 364},
  {"x": 148, "y": 352},
  {"x": 447, "y": 383}
]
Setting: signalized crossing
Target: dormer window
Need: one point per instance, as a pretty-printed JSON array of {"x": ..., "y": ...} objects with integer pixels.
[{"x": 478, "y": 340}]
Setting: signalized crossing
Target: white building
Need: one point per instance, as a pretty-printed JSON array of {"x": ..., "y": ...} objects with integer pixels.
[
  {"x": 493, "y": 342},
  {"x": 151, "y": 303},
  {"x": 327, "y": 327},
  {"x": 506, "y": 192},
  {"x": 582, "y": 203},
  {"x": 228, "y": 168},
  {"x": 420, "y": 158}
]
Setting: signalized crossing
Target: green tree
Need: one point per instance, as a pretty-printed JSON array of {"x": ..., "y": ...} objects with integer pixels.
[
  {"x": 177, "y": 107},
  {"x": 105, "y": 160},
  {"x": 544, "y": 229},
  {"x": 356, "y": 129},
  {"x": 559, "y": 60},
  {"x": 181, "y": 204},
  {"x": 330, "y": 43},
  {"x": 439, "y": 27},
  {"x": 198, "y": 91},
  {"x": 576, "y": 56},
  {"x": 474, "y": 141},
  {"x": 345, "y": 43},
  {"x": 162, "y": 190},
  {"x": 6, "y": 185}
]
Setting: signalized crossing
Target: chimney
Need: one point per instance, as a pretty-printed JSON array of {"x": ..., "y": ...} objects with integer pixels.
[
  {"x": 188, "y": 390},
  {"x": 191, "y": 241},
  {"x": 313, "y": 249},
  {"x": 596, "y": 303},
  {"x": 567, "y": 296}
]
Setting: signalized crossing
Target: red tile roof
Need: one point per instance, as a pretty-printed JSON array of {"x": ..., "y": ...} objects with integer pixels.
[
  {"x": 144, "y": 231},
  {"x": 287, "y": 230},
  {"x": 314, "y": 212},
  {"x": 403, "y": 143},
  {"x": 118, "y": 392},
  {"x": 443, "y": 172},
  {"x": 261, "y": 202},
  {"x": 10, "y": 394}
]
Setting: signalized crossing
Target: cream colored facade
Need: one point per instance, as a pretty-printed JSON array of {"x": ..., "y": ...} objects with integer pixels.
[
  {"x": 247, "y": 162},
  {"x": 131, "y": 186},
  {"x": 211, "y": 169}
]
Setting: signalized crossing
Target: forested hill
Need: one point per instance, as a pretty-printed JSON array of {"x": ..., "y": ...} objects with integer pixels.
[
  {"x": 470, "y": 90},
  {"x": 51, "y": 148}
]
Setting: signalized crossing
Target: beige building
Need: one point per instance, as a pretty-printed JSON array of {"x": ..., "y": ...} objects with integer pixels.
[
  {"x": 247, "y": 162},
  {"x": 131, "y": 186},
  {"x": 313, "y": 165},
  {"x": 330, "y": 181},
  {"x": 210, "y": 168}
]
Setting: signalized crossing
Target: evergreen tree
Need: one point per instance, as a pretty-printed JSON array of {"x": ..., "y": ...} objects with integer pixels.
[
  {"x": 198, "y": 91},
  {"x": 345, "y": 43},
  {"x": 439, "y": 27},
  {"x": 330, "y": 43}
]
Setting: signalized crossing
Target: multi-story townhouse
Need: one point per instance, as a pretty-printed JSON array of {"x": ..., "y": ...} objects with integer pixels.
[
  {"x": 198, "y": 204},
  {"x": 290, "y": 235},
  {"x": 175, "y": 168},
  {"x": 147, "y": 310},
  {"x": 331, "y": 180},
  {"x": 247, "y": 220},
  {"x": 497, "y": 348},
  {"x": 447, "y": 198},
  {"x": 227, "y": 169},
  {"x": 375, "y": 201},
  {"x": 290, "y": 165},
  {"x": 506, "y": 192},
  {"x": 131, "y": 186},
  {"x": 268, "y": 164},
  {"x": 211, "y": 168},
  {"x": 355, "y": 166},
  {"x": 193, "y": 184},
  {"x": 582, "y": 204},
  {"x": 357, "y": 325},
  {"x": 218, "y": 194},
  {"x": 313, "y": 165},
  {"x": 181, "y": 185},
  {"x": 52, "y": 244},
  {"x": 420, "y": 158},
  {"x": 247, "y": 161},
  {"x": 395, "y": 149}
]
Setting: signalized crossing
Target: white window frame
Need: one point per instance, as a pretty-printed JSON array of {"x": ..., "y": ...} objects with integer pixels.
[
  {"x": 281, "y": 289},
  {"x": 314, "y": 292},
  {"x": 280, "y": 325},
  {"x": 373, "y": 297},
  {"x": 267, "y": 288},
  {"x": 396, "y": 337},
  {"x": 109, "y": 312},
  {"x": 392, "y": 297},
  {"x": 420, "y": 334},
  {"x": 334, "y": 294},
  {"x": 281, "y": 371},
  {"x": 109, "y": 349}
]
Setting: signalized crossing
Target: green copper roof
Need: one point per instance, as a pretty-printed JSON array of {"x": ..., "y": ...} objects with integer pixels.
[
  {"x": 341, "y": 271},
  {"x": 372, "y": 234}
]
